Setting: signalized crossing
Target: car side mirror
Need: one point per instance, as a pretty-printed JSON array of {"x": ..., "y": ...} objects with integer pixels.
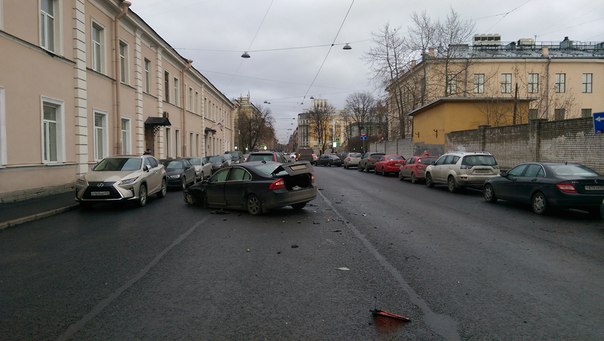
[
  {"x": 146, "y": 168},
  {"x": 504, "y": 174}
]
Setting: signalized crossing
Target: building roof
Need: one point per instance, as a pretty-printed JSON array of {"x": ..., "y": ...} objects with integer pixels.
[{"x": 443, "y": 100}]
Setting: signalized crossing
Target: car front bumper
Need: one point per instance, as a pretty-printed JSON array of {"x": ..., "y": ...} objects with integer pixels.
[{"x": 105, "y": 191}]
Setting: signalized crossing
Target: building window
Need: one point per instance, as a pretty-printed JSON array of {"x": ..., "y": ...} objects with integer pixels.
[
  {"x": 124, "y": 62},
  {"x": 166, "y": 86},
  {"x": 168, "y": 144},
  {"x": 586, "y": 113},
  {"x": 559, "y": 114},
  {"x": 3, "y": 148},
  {"x": 49, "y": 22},
  {"x": 560, "y": 85},
  {"x": 506, "y": 83},
  {"x": 197, "y": 144},
  {"x": 451, "y": 84},
  {"x": 177, "y": 141},
  {"x": 190, "y": 100},
  {"x": 587, "y": 82},
  {"x": 196, "y": 103},
  {"x": 98, "y": 50},
  {"x": 100, "y": 135},
  {"x": 191, "y": 144},
  {"x": 52, "y": 130},
  {"x": 147, "y": 76},
  {"x": 126, "y": 144},
  {"x": 533, "y": 114},
  {"x": 533, "y": 83},
  {"x": 479, "y": 83},
  {"x": 176, "y": 92}
]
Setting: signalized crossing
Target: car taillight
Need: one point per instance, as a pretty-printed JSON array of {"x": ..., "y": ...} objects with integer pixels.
[
  {"x": 312, "y": 178},
  {"x": 566, "y": 187},
  {"x": 277, "y": 184}
]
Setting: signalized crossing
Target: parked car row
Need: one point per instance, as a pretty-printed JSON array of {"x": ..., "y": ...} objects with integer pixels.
[{"x": 543, "y": 185}]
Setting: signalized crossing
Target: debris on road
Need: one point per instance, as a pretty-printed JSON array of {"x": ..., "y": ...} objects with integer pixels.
[
  {"x": 378, "y": 312},
  {"x": 294, "y": 246},
  {"x": 343, "y": 269}
]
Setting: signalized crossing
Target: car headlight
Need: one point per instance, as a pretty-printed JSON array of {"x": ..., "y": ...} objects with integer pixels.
[
  {"x": 177, "y": 176},
  {"x": 128, "y": 181}
]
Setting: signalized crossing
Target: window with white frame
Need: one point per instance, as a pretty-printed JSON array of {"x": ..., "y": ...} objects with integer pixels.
[
  {"x": 49, "y": 24},
  {"x": 560, "y": 83},
  {"x": 147, "y": 76},
  {"x": 98, "y": 48},
  {"x": 451, "y": 84},
  {"x": 124, "y": 70},
  {"x": 190, "y": 99},
  {"x": 177, "y": 141},
  {"x": 176, "y": 92},
  {"x": 190, "y": 144},
  {"x": 168, "y": 143},
  {"x": 506, "y": 83},
  {"x": 101, "y": 143},
  {"x": 167, "y": 86},
  {"x": 197, "y": 144},
  {"x": 587, "y": 79},
  {"x": 3, "y": 147},
  {"x": 479, "y": 83},
  {"x": 126, "y": 143},
  {"x": 533, "y": 83},
  {"x": 52, "y": 130},
  {"x": 196, "y": 103}
]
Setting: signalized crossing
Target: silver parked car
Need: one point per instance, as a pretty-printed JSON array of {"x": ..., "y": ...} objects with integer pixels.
[
  {"x": 462, "y": 169},
  {"x": 122, "y": 178},
  {"x": 203, "y": 168},
  {"x": 352, "y": 160}
]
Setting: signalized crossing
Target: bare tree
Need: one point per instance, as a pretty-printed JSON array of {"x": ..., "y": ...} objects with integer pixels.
[
  {"x": 320, "y": 114},
  {"x": 359, "y": 106},
  {"x": 255, "y": 127}
]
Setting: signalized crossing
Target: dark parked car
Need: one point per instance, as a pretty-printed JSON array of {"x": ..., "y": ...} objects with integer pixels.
[
  {"x": 256, "y": 186},
  {"x": 329, "y": 160},
  {"x": 180, "y": 172},
  {"x": 217, "y": 161},
  {"x": 236, "y": 156},
  {"x": 414, "y": 168},
  {"x": 548, "y": 185},
  {"x": 368, "y": 161},
  {"x": 307, "y": 154}
]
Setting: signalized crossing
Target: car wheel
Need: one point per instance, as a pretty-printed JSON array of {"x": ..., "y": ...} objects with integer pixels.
[
  {"x": 359, "y": 168},
  {"x": 298, "y": 206},
  {"x": 413, "y": 178},
  {"x": 190, "y": 198},
  {"x": 539, "y": 203},
  {"x": 142, "y": 195},
  {"x": 183, "y": 183},
  {"x": 400, "y": 176},
  {"x": 254, "y": 205},
  {"x": 367, "y": 168},
  {"x": 489, "y": 194},
  {"x": 451, "y": 185},
  {"x": 163, "y": 190},
  {"x": 429, "y": 182}
]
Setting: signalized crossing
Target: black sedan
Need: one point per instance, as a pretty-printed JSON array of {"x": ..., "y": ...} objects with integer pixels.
[
  {"x": 256, "y": 186},
  {"x": 329, "y": 160},
  {"x": 548, "y": 185},
  {"x": 180, "y": 172}
]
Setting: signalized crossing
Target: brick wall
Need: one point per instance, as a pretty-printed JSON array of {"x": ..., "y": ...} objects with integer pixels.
[{"x": 540, "y": 140}]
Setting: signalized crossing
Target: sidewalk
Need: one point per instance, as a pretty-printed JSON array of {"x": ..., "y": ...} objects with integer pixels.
[{"x": 20, "y": 212}]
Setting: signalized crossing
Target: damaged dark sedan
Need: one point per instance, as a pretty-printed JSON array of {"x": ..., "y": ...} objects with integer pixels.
[{"x": 257, "y": 187}]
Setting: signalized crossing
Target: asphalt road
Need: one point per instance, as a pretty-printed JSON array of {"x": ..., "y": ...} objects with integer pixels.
[{"x": 457, "y": 267}]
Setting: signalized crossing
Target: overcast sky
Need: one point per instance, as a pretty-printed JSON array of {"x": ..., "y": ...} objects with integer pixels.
[{"x": 289, "y": 40}]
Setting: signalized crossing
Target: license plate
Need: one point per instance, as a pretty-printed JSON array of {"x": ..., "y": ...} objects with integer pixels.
[
  {"x": 99, "y": 193},
  {"x": 594, "y": 188}
]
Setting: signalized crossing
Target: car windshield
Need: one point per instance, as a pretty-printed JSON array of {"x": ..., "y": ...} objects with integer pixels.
[
  {"x": 394, "y": 157},
  {"x": 354, "y": 154},
  {"x": 479, "y": 160},
  {"x": 175, "y": 165},
  {"x": 566, "y": 170},
  {"x": 261, "y": 157},
  {"x": 267, "y": 169},
  {"x": 427, "y": 160},
  {"x": 216, "y": 159},
  {"x": 118, "y": 164}
]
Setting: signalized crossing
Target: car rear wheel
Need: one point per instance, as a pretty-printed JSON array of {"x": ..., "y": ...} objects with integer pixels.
[
  {"x": 489, "y": 194},
  {"x": 298, "y": 206},
  {"x": 142, "y": 195},
  {"x": 413, "y": 178},
  {"x": 254, "y": 205},
  {"x": 539, "y": 203},
  {"x": 451, "y": 185},
  {"x": 163, "y": 190},
  {"x": 429, "y": 182},
  {"x": 183, "y": 183}
]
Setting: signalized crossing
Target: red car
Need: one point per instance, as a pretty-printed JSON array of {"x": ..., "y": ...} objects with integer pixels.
[
  {"x": 391, "y": 163},
  {"x": 415, "y": 168}
]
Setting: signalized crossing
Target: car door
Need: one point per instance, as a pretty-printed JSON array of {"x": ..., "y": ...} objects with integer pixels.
[
  {"x": 215, "y": 188},
  {"x": 408, "y": 167},
  {"x": 154, "y": 176},
  {"x": 235, "y": 188},
  {"x": 530, "y": 179},
  {"x": 189, "y": 171},
  {"x": 508, "y": 187},
  {"x": 440, "y": 168}
]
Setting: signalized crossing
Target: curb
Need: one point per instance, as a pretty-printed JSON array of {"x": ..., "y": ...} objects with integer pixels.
[{"x": 37, "y": 216}]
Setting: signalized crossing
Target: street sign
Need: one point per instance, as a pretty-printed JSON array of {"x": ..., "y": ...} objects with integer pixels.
[
  {"x": 599, "y": 122},
  {"x": 363, "y": 137}
]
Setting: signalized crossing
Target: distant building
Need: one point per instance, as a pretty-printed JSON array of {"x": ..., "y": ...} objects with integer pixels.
[{"x": 84, "y": 79}]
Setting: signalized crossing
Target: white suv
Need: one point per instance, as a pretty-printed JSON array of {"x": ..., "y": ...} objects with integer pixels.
[{"x": 462, "y": 169}]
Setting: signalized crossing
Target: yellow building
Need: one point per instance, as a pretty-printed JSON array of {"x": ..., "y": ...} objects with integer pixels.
[
  {"x": 433, "y": 121},
  {"x": 562, "y": 80},
  {"x": 84, "y": 79}
]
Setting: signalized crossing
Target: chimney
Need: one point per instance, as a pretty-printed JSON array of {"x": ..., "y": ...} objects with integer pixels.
[{"x": 545, "y": 52}]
